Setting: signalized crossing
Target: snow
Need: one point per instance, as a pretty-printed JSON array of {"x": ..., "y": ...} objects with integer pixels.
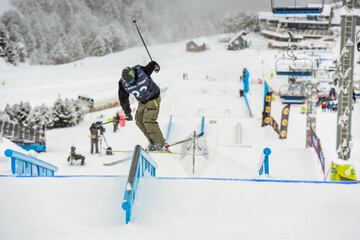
[{"x": 84, "y": 202}]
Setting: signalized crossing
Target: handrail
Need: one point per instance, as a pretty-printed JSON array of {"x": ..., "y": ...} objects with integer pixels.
[
  {"x": 25, "y": 165},
  {"x": 141, "y": 163}
]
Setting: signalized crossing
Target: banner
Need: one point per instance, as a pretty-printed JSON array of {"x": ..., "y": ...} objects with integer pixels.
[
  {"x": 315, "y": 143},
  {"x": 284, "y": 122},
  {"x": 267, "y": 110}
]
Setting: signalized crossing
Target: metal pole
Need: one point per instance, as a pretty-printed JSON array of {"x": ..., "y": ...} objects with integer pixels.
[
  {"x": 134, "y": 21},
  {"x": 194, "y": 152}
]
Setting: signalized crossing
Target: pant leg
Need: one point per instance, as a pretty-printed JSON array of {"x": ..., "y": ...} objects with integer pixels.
[
  {"x": 140, "y": 121},
  {"x": 151, "y": 113},
  {"x": 96, "y": 145},
  {"x": 92, "y": 146}
]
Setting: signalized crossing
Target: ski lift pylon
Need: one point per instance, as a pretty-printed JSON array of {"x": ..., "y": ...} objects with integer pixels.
[{"x": 297, "y": 9}]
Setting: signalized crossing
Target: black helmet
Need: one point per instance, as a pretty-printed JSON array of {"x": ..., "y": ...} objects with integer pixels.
[{"x": 128, "y": 75}]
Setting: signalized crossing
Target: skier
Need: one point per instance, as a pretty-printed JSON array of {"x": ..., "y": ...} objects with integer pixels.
[
  {"x": 94, "y": 131},
  {"x": 137, "y": 81}
]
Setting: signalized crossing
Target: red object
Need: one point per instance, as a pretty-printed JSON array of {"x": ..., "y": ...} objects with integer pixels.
[{"x": 122, "y": 120}]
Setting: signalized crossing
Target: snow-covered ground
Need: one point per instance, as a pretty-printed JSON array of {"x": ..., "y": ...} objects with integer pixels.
[{"x": 90, "y": 207}]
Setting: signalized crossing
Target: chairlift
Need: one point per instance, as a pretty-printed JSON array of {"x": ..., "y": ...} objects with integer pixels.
[
  {"x": 294, "y": 93},
  {"x": 294, "y": 67},
  {"x": 296, "y": 8}
]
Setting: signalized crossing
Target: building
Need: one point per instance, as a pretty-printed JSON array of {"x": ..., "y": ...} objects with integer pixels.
[
  {"x": 310, "y": 21},
  {"x": 196, "y": 45},
  {"x": 238, "y": 42}
]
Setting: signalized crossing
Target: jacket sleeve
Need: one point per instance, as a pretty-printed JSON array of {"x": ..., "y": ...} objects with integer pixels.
[
  {"x": 148, "y": 69},
  {"x": 124, "y": 99}
]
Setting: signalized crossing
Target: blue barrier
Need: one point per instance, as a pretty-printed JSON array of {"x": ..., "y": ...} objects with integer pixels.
[
  {"x": 168, "y": 129},
  {"x": 33, "y": 146},
  {"x": 24, "y": 165},
  {"x": 264, "y": 168},
  {"x": 247, "y": 104},
  {"x": 140, "y": 165},
  {"x": 202, "y": 126}
]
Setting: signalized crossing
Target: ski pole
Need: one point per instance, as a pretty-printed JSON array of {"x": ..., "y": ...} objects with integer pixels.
[{"x": 134, "y": 21}]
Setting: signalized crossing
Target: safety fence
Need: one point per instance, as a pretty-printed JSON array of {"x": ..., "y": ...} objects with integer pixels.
[
  {"x": 25, "y": 165},
  {"x": 315, "y": 143},
  {"x": 26, "y": 137},
  {"x": 141, "y": 164}
]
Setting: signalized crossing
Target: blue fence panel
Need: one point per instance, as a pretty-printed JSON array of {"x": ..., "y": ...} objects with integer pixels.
[
  {"x": 141, "y": 165},
  {"x": 24, "y": 165}
]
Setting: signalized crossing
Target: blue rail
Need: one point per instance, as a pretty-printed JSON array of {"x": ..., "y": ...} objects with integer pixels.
[
  {"x": 202, "y": 126},
  {"x": 141, "y": 164},
  {"x": 247, "y": 104},
  {"x": 24, "y": 165}
]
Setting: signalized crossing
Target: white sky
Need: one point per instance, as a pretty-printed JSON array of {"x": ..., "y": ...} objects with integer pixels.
[{"x": 4, "y": 5}]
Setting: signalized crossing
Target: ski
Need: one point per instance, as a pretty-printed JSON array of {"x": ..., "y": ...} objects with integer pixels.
[
  {"x": 118, "y": 161},
  {"x": 158, "y": 152},
  {"x": 186, "y": 140}
]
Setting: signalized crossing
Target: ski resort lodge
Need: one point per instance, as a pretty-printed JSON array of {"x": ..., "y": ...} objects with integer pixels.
[{"x": 316, "y": 23}]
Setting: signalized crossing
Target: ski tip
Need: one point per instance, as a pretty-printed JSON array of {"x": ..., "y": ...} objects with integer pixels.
[{"x": 201, "y": 134}]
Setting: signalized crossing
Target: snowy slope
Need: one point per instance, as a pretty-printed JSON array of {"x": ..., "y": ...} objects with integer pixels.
[{"x": 89, "y": 207}]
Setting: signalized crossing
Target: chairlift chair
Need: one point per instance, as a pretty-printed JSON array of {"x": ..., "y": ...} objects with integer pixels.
[
  {"x": 292, "y": 93},
  {"x": 294, "y": 67},
  {"x": 295, "y": 8}
]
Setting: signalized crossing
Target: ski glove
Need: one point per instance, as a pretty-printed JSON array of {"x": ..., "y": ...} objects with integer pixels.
[
  {"x": 128, "y": 117},
  {"x": 157, "y": 67}
]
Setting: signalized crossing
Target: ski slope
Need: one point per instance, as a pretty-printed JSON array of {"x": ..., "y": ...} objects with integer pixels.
[
  {"x": 89, "y": 208},
  {"x": 84, "y": 202}
]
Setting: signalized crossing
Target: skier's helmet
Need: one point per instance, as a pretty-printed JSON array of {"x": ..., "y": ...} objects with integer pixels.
[{"x": 128, "y": 75}]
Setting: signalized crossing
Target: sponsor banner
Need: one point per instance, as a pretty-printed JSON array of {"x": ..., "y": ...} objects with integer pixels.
[{"x": 284, "y": 122}]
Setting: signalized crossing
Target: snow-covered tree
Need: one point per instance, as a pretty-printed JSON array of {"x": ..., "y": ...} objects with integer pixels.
[
  {"x": 244, "y": 20},
  {"x": 66, "y": 113},
  {"x": 40, "y": 117},
  {"x": 18, "y": 112}
]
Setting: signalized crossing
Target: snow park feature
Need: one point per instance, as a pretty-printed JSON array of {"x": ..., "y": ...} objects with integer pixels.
[
  {"x": 140, "y": 165},
  {"x": 264, "y": 168},
  {"x": 25, "y": 165},
  {"x": 222, "y": 195}
]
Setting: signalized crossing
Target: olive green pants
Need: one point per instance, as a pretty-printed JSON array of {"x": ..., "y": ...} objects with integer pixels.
[{"x": 146, "y": 119}]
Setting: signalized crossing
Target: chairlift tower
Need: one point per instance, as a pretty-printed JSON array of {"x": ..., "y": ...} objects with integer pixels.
[
  {"x": 311, "y": 101},
  {"x": 346, "y": 74}
]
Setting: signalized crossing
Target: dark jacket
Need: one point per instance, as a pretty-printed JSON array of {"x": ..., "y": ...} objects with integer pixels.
[{"x": 142, "y": 79}]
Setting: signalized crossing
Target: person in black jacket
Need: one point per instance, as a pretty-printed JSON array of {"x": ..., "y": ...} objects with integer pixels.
[{"x": 138, "y": 82}]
